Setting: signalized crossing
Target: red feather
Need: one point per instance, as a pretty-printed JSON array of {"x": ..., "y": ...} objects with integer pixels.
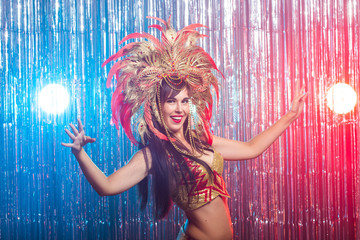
[
  {"x": 120, "y": 53},
  {"x": 184, "y": 36},
  {"x": 148, "y": 120},
  {"x": 157, "y": 26},
  {"x": 203, "y": 36},
  {"x": 116, "y": 102},
  {"x": 213, "y": 63},
  {"x": 142, "y": 35},
  {"x": 207, "y": 131},
  {"x": 125, "y": 77},
  {"x": 159, "y": 19},
  {"x": 125, "y": 120},
  {"x": 115, "y": 69},
  {"x": 122, "y": 112},
  {"x": 193, "y": 26}
]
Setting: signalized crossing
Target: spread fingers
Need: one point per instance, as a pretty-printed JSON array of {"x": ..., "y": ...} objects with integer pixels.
[
  {"x": 72, "y": 136},
  {"x": 74, "y": 129},
  {"x": 67, "y": 144}
]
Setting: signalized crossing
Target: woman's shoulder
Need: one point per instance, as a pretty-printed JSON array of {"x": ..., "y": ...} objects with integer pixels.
[{"x": 143, "y": 155}]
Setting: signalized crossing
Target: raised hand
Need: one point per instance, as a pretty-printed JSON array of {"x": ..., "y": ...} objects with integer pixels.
[
  {"x": 79, "y": 138},
  {"x": 297, "y": 105}
]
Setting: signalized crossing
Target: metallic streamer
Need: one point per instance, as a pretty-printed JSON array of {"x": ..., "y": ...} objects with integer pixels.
[{"x": 305, "y": 186}]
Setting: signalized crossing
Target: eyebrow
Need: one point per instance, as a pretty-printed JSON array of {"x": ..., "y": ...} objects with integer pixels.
[{"x": 186, "y": 98}]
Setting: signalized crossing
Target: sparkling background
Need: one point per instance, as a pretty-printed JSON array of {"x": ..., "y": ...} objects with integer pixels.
[{"x": 306, "y": 186}]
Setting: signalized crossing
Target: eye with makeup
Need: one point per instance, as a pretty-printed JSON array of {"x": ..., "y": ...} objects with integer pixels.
[
  {"x": 173, "y": 100},
  {"x": 170, "y": 100},
  {"x": 186, "y": 100}
]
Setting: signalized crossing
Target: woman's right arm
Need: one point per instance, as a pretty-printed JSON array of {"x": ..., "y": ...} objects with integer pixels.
[{"x": 118, "y": 182}]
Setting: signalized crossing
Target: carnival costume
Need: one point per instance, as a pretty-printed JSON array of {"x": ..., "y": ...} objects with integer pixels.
[
  {"x": 177, "y": 61},
  {"x": 205, "y": 189}
]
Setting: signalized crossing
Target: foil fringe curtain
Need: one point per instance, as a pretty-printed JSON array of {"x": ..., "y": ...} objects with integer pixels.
[{"x": 305, "y": 186}]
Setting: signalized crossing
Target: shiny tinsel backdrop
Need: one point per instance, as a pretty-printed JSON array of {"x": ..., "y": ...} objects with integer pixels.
[{"x": 305, "y": 186}]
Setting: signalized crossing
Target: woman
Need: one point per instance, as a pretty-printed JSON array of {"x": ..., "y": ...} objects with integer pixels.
[{"x": 166, "y": 86}]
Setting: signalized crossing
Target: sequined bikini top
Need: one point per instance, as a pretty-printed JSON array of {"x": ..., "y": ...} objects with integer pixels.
[{"x": 205, "y": 189}]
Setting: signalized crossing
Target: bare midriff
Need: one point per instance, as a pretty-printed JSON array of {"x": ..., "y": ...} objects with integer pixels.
[{"x": 211, "y": 221}]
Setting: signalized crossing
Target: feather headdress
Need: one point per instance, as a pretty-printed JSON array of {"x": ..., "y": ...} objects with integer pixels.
[{"x": 175, "y": 59}]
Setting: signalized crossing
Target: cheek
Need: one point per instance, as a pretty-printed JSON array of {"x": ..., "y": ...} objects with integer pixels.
[{"x": 166, "y": 110}]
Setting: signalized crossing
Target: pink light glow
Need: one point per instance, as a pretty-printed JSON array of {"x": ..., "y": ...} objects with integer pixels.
[{"x": 341, "y": 98}]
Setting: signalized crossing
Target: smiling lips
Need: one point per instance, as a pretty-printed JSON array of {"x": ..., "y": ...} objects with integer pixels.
[{"x": 176, "y": 118}]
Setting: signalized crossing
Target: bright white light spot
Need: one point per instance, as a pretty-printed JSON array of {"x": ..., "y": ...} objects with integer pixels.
[
  {"x": 351, "y": 10},
  {"x": 57, "y": 6},
  {"x": 6, "y": 35},
  {"x": 341, "y": 98},
  {"x": 54, "y": 99}
]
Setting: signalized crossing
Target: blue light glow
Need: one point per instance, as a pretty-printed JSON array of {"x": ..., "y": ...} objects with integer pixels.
[{"x": 54, "y": 99}]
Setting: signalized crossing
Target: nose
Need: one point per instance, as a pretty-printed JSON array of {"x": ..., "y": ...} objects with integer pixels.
[{"x": 179, "y": 107}]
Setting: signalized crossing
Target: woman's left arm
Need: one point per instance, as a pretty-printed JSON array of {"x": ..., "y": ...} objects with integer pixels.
[{"x": 236, "y": 150}]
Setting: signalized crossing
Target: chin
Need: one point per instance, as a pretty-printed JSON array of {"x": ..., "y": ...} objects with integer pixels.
[{"x": 174, "y": 128}]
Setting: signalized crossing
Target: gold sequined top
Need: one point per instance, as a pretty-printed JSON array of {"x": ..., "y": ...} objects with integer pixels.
[{"x": 204, "y": 190}]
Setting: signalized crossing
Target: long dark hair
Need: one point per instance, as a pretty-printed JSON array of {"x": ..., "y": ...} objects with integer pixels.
[{"x": 164, "y": 163}]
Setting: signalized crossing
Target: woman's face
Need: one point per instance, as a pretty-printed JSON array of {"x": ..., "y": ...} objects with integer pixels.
[{"x": 175, "y": 111}]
